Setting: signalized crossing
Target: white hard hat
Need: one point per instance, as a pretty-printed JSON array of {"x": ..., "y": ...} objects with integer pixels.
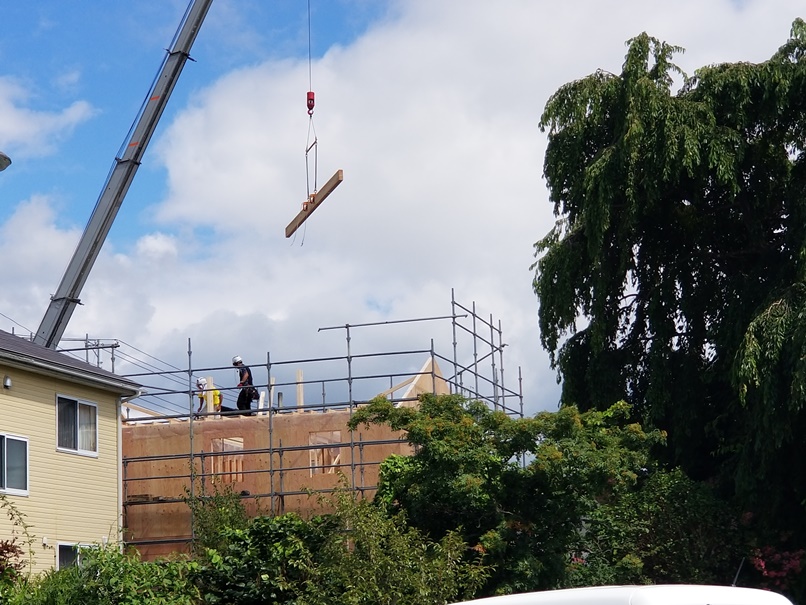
[
  {"x": 237, "y": 359},
  {"x": 201, "y": 383}
]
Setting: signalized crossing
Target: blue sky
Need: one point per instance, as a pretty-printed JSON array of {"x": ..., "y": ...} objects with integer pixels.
[
  {"x": 429, "y": 106},
  {"x": 107, "y": 54}
]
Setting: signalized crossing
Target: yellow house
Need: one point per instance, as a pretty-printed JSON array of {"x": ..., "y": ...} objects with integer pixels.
[{"x": 59, "y": 450}]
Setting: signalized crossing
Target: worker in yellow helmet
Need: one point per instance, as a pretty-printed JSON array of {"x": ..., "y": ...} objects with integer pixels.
[{"x": 218, "y": 398}]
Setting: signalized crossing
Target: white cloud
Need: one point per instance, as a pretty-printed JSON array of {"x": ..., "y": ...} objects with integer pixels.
[
  {"x": 33, "y": 249},
  {"x": 29, "y": 132},
  {"x": 68, "y": 80},
  {"x": 157, "y": 247}
]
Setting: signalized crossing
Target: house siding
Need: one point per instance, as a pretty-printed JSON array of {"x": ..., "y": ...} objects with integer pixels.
[{"x": 72, "y": 498}]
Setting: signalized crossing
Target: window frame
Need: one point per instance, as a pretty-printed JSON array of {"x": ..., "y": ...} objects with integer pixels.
[
  {"x": 78, "y": 403},
  {"x": 13, "y": 491},
  {"x": 76, "y": 547},
  {"x": 228, "y": 459},
  {"x": 324, "y": 452}
]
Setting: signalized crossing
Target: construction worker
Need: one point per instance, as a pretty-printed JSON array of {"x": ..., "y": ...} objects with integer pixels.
[
  {"x": 218, "y": 398},
  {"x": 248, "y": 392}
]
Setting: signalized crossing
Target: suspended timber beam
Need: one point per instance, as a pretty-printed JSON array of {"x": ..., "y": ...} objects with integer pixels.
[{"x": 313, "y": 202}]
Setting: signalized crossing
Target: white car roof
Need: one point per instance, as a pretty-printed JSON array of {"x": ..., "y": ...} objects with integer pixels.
[{"x": 668, "y": 594}]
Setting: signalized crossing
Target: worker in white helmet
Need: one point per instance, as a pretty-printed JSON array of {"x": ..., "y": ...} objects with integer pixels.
[
  {"x": 218, "y": 398},
  {"x": 248, "y": 392}
]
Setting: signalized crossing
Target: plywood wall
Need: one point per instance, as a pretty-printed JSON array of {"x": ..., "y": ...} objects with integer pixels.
[{"x": 276, "y": 460}]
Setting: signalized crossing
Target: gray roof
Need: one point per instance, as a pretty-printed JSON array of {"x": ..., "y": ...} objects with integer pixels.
[{"x": 22, "y": 353}]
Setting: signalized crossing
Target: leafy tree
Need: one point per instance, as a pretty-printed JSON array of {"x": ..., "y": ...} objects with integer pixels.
[
  {"x": 17, "y": 551},
  {"x": 212, "y": 509},
  {"x": 468, "y": 475},
  {"x": 672, "y": 530},
  {"x": 356, "y": 555},
  {"x": 106, "y": 576},
  {"x": 675, "y": 276},
  {"x": 270, "y": 561},
  {"x": 374, "y": 558},
  {"x": 11, "y": 566},
  {"x": 780, "y": 570},
  {"x": 353, "y": 556}
]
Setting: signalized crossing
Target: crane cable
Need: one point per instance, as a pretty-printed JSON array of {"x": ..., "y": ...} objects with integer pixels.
[{"x": 312, "y": 142}]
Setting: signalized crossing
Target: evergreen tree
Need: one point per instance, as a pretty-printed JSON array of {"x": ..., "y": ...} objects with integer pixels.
[{"x": 675, "y": 276}]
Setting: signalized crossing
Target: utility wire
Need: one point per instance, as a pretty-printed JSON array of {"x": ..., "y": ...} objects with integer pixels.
[
  {"x": 16, "y": 323},
  {"x": 173, "y": 367}
]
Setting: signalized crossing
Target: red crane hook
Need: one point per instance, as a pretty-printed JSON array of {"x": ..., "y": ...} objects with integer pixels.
[{"x": 311, "y": 102}]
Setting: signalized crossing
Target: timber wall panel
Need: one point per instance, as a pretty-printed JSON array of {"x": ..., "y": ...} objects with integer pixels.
[{"x": 265, "y": 470}]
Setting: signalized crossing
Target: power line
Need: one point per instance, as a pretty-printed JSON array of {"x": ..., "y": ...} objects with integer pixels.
[{"x": 16, "y": 323}]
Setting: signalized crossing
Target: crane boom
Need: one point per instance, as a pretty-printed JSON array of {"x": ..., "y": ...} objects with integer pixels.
[{"x": 64, "y": 301}]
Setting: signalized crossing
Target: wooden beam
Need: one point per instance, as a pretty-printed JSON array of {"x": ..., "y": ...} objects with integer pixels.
[{"x": 313, "y": 202}]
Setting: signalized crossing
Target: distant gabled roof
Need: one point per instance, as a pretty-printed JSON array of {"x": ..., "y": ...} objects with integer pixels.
[
  {"x": 428, "y": 380},
  {"x": 24, "y": 354}
]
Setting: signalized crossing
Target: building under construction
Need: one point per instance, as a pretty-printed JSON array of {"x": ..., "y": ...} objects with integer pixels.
[{"x": 280, "y": 456}]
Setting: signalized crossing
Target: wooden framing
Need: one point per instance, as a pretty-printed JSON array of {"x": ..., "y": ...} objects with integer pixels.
[{"x": 313, "y": 202}]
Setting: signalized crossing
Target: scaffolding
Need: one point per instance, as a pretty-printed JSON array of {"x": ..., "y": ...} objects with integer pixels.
[{"x": 276, "y": 455}]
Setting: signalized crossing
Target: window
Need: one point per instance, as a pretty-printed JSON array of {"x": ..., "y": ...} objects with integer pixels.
[
  {"x": 228, "y": 468},
  {"x": 77, "y": 425},
  {"x": 324, "y": 459},
  {"x": 13, "y": 465},
  {"x": 70, "y": 554}
]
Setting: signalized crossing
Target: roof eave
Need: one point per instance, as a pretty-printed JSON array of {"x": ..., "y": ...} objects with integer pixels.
[{"x": 122, "y": 387}]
